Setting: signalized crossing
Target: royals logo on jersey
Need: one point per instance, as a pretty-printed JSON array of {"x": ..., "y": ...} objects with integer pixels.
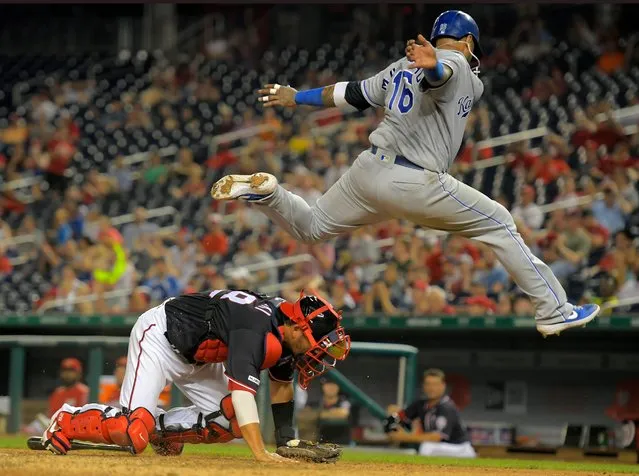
[{"x": 464, "y": 105}]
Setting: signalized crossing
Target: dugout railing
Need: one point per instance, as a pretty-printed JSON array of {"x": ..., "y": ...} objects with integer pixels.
[{"x": 407, "y": 373}]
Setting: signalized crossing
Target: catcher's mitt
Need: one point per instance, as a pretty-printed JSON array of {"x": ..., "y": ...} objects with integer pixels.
[{"x": 310, "y": 451}]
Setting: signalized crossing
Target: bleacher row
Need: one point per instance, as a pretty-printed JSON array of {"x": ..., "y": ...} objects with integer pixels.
[{"x": 134, "y": 73}]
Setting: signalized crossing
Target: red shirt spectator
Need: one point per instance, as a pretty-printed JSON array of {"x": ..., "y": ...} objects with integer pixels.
[
  {"x": 524, "y": 159},
  {"x": 61, "y": 150},
  {"x": 5, "y": 265},
  {"x": 72, "y": 391},
  {"x": 620, "y": 158},
  {"x": 548, "y": 169},
  {"x": 223, "y": 158},
  {"x": 215, "y": 242},
  {"x": 466, "y": 154}
]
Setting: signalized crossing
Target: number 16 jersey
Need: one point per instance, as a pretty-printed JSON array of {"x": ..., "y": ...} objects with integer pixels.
[{"x": 424, "y": 124}]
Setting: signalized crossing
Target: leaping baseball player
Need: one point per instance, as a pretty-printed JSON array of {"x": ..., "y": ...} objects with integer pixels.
[
  {"x": 212, "y": 346},
  {"x": 427, "y": 96}
]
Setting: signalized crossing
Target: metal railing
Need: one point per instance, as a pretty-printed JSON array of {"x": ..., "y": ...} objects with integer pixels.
[
  {"x": 21, "y": 240},
  {"x": 82, "y": 299},
  {"x": 620, "y": 303},
  {"x": 244, "y": 133},
  {"x": 152, "y": 213}
]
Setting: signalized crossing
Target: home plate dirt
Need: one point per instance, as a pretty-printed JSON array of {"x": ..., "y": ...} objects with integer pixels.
[{"x": 30, "y": 463}]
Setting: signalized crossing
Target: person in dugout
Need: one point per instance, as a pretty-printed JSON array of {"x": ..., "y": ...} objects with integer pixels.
[
  {"x": 71, "y": 389},
  {"x": 110, "y": 390},
  {"x": 442, "y": 431}
]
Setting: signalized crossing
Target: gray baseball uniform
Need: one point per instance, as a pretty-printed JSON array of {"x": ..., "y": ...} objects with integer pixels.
[{"x": 404, "y": 175}]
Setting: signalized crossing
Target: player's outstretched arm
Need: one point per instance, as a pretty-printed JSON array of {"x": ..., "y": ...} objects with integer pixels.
[{"x": 345, "y": 95}]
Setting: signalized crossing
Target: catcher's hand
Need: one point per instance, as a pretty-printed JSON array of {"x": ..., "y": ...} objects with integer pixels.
[{"x": 303, "y": 450}]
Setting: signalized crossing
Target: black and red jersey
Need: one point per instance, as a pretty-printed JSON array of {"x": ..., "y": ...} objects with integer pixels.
[{"x": 240, "y": 328}]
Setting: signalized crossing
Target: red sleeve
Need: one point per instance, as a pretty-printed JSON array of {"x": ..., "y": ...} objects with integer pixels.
[
  {"x": 82, "y": 394},
  {"x": 55, "y": 402}
]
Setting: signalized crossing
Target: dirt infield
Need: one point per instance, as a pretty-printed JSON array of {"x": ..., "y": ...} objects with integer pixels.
[{"x": 15, "y": 462}]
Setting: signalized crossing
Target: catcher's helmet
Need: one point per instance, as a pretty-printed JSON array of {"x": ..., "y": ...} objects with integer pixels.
[
  {"x": 455, "y": 24},
  {"x": 321, "y": 325}
]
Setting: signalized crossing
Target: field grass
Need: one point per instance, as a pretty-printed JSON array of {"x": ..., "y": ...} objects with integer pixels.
[{"x": 358, "y": 456}]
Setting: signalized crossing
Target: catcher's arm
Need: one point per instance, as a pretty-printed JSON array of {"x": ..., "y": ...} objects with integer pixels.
[{"x": 248, "y": 420}]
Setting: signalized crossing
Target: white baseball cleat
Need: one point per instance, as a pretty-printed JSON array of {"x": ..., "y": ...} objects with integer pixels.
[
  {"x": 581, "y": 315},
  {"x": 252, "y": 188}
]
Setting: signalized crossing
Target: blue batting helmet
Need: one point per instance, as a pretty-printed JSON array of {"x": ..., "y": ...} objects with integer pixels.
[{"x": 455, "y": 24}]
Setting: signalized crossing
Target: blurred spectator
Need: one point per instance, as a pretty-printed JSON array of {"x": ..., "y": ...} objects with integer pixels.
[
  {"x": 184, "y": 254},
  {"x": 612, "y": 57},
  {"x": 138, "y": 118},
  {"x": 193, "y": 189},
  {"x": 63, "y": 232},
  {"x": 572, "y": 247},
  {"x": 16, "y": 132},
  {"x": 135, "y": 232},
  {"x": 620, "y": 159},
  {"x": 215, "y": 242},
  {"x": 224, "y": 157},
  {"x": 97, "y": 186},
  {"x": 568, "y": 196},
  {"x": 340, "y": 167},
  {"x": 250, "y": 254},
  {"x": 185, "y": 163},
  {"x": 490, "y": 273},
  {"x": 60, "y": 150},
  {"x": 162, "y": 281},
  {"x": 155, "y": 171},
  {"x": 549, "y": 167},
  {"x": 302, "y": 141},
  {"x": 522, "y": 306},
  {"x": 528, "y": 211},
  {"x": 71, "y": 390},
  {"x": 114, "y": 116},
  {"x": 339, "y": 296},
  {"x": 608, "y": 211},
  {"x": 42, "y": 107},
  {"x": 66, "y": 291},
  {"x": 333, "y": 421},
  {"x": 110, "y": 394},
  {"x": 386, "y": 294},
  {"x": 122, "y": 175}
]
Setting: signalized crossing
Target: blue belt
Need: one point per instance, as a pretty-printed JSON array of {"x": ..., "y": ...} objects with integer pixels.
[{"x": 400, "y": 160}]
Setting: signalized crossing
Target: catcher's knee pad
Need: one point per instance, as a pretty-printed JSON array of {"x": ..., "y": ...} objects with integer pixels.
[{"x": 139, "y": 426}]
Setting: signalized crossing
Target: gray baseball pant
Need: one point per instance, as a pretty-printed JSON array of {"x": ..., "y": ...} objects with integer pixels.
[{"x": 375, "y": 190}]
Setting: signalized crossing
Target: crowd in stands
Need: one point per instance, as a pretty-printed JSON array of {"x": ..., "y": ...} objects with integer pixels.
[{"x": 395, "y": 267}]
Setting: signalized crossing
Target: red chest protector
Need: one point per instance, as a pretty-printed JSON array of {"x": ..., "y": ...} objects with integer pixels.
[{"x": 216, "y": 351}]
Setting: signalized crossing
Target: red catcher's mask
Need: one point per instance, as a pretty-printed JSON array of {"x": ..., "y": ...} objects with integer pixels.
[{"x": 322, "y": 327}]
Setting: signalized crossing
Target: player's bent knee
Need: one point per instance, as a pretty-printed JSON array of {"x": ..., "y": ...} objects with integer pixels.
[
  {"x": 141, "y": 425},
  {"x": 132, "y": 429}
]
